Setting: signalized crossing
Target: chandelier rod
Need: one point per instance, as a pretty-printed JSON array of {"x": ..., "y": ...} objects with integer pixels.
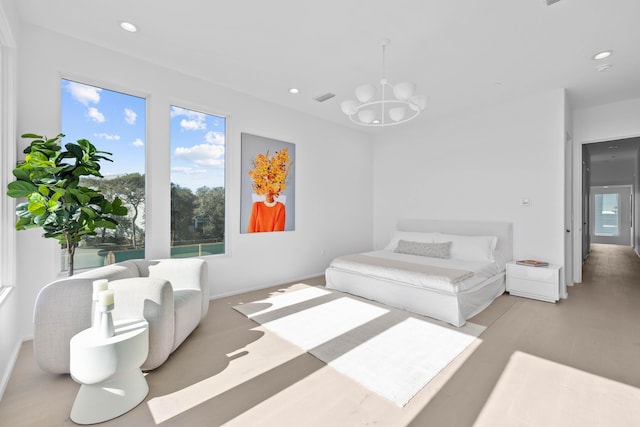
[
  {"x": 383, "y": 81},
  {"x": 384, "y": 58}
]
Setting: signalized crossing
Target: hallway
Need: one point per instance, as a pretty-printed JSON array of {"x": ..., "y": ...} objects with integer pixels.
[{"x": 614, "y": 268}]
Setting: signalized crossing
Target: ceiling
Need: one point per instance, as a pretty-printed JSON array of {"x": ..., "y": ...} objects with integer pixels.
[
  {"x": 463, "y": 54},
  {"x": 613, "y": 151}
]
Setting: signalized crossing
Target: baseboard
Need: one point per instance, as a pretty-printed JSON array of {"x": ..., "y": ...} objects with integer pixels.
[
  {"x": 6, "y": 376},
  {"x": 259, "y": 288}
]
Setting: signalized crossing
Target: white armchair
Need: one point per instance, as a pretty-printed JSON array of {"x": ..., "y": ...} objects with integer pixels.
[{"x": 171, "y": 294}]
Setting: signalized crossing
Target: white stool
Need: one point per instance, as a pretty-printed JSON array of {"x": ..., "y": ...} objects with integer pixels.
[{"x": 108, "y": 370}]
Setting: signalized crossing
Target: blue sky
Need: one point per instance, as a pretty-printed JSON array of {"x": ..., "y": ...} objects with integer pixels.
[
  {"x": 116, "y": 122},
  {"x": 197, "y": 148}
]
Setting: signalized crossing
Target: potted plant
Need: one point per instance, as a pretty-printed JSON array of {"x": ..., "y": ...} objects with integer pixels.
[{"x": 49, "y": 178}]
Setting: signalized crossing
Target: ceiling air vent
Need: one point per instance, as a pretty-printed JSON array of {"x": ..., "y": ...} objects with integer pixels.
[{"x": 324, "y": 97}]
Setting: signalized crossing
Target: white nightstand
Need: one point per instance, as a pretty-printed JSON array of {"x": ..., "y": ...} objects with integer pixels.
[{"x": 542, "y": 283}]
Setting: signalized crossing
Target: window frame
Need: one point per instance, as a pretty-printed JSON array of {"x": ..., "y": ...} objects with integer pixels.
[
  {"x": 113, "y": 87},
  {"x": 8, "y": 151},
  {"x": 228, "y": 147}
]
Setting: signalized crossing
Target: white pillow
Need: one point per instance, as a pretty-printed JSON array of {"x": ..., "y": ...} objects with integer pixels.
[
  {"x": 472, "y": 248},
  {"x": 431, "y": 250},
  {"x": 412, "y": 236}
]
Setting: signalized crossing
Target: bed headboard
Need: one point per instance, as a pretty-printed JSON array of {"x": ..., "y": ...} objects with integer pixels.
[{"x": 502, "y": 230}]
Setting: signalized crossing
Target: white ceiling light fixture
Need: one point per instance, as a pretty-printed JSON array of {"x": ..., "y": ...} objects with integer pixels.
[
  {"x": 386, "y": 104},
  {"x": 128, "y": 26},
  {"x": 602, "y": 55}
]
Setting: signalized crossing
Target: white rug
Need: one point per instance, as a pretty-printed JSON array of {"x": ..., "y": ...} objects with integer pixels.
[{"x": 389, "y": 351}]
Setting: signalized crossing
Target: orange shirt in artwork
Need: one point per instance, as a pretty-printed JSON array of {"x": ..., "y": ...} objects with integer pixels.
[{"x": 266, "y": 216}]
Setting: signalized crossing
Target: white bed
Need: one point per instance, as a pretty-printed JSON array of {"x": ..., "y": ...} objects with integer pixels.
[{"x": 478, "y": 256}]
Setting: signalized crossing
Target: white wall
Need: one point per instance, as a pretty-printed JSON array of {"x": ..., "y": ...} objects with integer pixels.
[
  {"x": 606, "y": 122},
  {"x": 333, "y": 167},
  {"x": 9, "y": 339},
  {"x": 635, "y": 238},
  {"x": 480, "y": 166}
]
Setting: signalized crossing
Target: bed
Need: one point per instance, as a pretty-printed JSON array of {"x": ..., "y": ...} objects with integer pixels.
[{"x": 447, "y": 270}]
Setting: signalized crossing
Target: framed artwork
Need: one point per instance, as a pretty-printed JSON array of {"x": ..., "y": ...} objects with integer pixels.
[{"x": 268, "y": 185}]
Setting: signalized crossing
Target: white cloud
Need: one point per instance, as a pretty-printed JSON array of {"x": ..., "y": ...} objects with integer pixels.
[
  {"x": 84, "y": 94},
  {"x": 130, "y": 116},
  {"x": 193, "y": 121},
  {"x": 188, "y": 171},
  {"x": 107, "y": 136},
  {"x": 138, "y": 143},
  {"x": 177, "y": 111},
  {"x": 204, "y": 155},
  {"x": 216, "y": 138},
  {"x": 94, "y": 114},
  {"x": 193, "y": 124}
]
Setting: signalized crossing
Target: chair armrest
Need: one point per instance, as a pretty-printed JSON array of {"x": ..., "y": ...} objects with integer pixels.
[
  {"x": 183, "y": 273},
  {"x": 150, "y": 299}
]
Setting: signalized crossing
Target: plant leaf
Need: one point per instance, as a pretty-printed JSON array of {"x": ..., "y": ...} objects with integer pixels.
[
  {"x": 17, "y": 189},
  {"x": 37, "y": 209}
]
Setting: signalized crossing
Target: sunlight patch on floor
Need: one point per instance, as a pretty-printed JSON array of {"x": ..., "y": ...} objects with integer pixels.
[{"x": 533, "y": 391}]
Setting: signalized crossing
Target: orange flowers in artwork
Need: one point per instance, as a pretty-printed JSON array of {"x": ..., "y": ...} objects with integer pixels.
[{"x": 269, "y": 173}]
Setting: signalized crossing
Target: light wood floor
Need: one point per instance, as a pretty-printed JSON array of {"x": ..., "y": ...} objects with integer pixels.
[{"x": 537, "y": 363}]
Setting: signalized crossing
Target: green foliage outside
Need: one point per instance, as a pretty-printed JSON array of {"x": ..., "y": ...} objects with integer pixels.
[{"x": 196, "y": 217}]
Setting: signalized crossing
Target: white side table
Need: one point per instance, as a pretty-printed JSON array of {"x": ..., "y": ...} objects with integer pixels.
[
  {"x": 542, "y": 283},
  {"x": 108, "y": 370}
]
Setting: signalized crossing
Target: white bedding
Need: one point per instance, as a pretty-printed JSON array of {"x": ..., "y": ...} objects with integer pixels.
[
  {"x": 482, "y": 270},
  {"x": 482, "y": 248}
]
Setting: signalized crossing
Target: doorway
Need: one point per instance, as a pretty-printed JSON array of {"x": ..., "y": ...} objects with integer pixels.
[
  {"x": 613, "y": 164},
  {"x": 611, "y": 210}
]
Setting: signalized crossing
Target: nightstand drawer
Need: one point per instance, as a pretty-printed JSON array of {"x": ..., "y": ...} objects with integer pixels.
[
  {"x": 538, "y": 274},
  {"x": 544, "y": 291}
]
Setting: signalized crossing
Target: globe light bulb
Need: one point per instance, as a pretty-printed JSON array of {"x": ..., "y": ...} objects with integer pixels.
[
  {"x": 366, "y": 116},
  {"x": 348, "y": 107},
  {"x": 365, "y": 93}
]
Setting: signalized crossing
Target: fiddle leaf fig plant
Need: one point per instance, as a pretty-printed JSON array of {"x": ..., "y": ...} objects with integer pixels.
[{"x": 49, "y": 179}]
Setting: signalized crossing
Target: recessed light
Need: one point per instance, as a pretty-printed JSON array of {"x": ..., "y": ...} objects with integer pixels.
[
  {"x": 128, "y": 26},
  {"x": 602, "y": 55},
  {"x": 294, "y": 90}
]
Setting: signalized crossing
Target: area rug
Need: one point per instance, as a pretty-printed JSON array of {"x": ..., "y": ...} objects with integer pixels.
[{"x": 389, "y": 351}]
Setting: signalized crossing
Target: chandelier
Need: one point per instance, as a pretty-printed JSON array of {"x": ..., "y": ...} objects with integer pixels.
[{"x": 386, "y": 104}]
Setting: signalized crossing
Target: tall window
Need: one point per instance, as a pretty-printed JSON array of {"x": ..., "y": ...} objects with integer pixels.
[
  {"x": 197, "y": 183},
  {"x": 607, "y": 220},
  {"x": 114, "y": 122}
]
